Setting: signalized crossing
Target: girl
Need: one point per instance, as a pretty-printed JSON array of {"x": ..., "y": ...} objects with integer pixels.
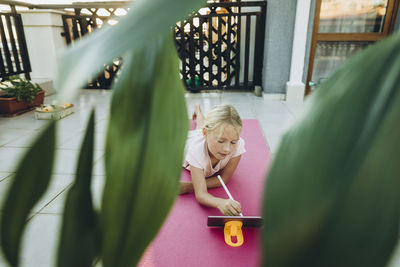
[{"x": 214, "y": 147}]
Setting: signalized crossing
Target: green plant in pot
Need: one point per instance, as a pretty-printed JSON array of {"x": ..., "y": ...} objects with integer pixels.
[
  {"x": 22, "y": 89},
  {"x": 19, "y": 95}
]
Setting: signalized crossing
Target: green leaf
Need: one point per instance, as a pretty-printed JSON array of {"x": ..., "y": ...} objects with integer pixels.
[
  {"x": 143, "y": 24},
  {"x": 80, "y": 236},
  {"x": 333, "y": 192},
  {"x": 144, "y": 151},
  {"x": 24, "y": 90},
  {"x": 29, "y": 183}
]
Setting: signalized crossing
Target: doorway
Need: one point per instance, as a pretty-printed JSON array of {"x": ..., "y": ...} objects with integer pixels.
[{"x": 341, "y": 29}]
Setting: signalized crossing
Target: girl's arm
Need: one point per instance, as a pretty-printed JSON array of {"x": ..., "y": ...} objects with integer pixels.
[
  {"x": 226, "y": 206},
  {"x": 212, "y": 182}
]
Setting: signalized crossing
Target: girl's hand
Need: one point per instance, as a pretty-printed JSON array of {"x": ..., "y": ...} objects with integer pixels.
[{"x": 229, "y": 207}]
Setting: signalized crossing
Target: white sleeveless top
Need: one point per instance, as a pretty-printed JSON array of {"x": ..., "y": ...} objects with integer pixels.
[{"x": 196, "y": 154}]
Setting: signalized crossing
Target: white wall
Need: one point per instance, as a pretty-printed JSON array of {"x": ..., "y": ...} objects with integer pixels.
[
  {"x": 278, "y": 45},
  {"x": 43, "y": 30}
]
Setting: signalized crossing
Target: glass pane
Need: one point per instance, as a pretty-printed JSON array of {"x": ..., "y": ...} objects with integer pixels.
[
  {"x": 330, "y": 55},
  {"x": 355, "y": 16}
]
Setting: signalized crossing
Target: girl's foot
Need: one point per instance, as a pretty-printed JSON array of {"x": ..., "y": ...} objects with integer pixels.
[{"x": 197, "y": 110}]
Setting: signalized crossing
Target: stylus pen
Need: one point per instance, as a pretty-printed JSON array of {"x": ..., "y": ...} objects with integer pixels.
[{"x": 226, "y": 190}]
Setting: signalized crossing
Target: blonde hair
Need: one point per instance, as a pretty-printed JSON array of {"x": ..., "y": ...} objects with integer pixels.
[{"x": 223, "y": 114}]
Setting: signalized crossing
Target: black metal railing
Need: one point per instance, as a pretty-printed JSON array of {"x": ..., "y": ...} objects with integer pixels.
[
  {"x": 14, "y": 57},
  {"x": 79, "y": 19},
  {"x": 221, "y": 46},
  {"x": 86, "y": 20}
]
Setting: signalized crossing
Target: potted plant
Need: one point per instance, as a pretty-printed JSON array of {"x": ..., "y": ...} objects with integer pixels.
[{"x": 19, "y": 95}]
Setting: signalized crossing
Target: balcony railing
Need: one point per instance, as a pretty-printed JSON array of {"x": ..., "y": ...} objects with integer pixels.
[
  {"x": 220, "y": 46},
  {"x": 14, "y": 57}
]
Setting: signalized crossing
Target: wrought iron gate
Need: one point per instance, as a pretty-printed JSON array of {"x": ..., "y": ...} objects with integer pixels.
[
  {"x": 221, "y": 46},
  {"x": 79, "y": 24},
  {"x": 14, "y": 57}
]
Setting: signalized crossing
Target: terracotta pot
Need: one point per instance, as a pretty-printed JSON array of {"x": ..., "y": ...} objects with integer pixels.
[{"x": 10, "y": 105}]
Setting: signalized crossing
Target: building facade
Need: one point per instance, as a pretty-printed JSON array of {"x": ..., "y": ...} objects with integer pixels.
[{"x": 344, "y": 28}]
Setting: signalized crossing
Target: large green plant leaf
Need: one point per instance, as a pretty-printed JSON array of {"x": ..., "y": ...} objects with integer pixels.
[
  {"x": 333, "y": 192},
  {"x": 144, "y": 151},
  {"x": 80, "y": 236},
  {"x": 29, "y": 183},
  {"x": 144, "y": 23}
]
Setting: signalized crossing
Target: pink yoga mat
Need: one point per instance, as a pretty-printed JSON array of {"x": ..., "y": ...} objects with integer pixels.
[{"x": 185, "y": 240}]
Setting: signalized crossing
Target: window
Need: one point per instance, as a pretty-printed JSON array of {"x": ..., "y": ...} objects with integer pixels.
[{"x": 344, "y": 27}]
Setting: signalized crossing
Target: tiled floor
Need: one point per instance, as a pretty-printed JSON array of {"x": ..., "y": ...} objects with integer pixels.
[{"x": 16, "y": 135}]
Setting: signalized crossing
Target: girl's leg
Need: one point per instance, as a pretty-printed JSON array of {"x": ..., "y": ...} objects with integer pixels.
[{"x": 198, "y": 117}]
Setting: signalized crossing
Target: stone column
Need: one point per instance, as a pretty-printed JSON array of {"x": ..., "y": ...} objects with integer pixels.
[
  {"x": 44, "y": 41},
  {"x": 295, "y": 88}
]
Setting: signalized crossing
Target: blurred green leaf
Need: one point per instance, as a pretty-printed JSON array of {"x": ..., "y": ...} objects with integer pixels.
[
  {"x": 29, "y": 183},
  {"x": 144, "y": 151},
  {"x": 333, "y": 192},
  {"x": 80, "y": 236},
  {"x": 144, "y": 23}
]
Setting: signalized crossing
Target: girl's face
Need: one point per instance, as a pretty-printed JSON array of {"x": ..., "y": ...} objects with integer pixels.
[{"x": 222, "y": 141}]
